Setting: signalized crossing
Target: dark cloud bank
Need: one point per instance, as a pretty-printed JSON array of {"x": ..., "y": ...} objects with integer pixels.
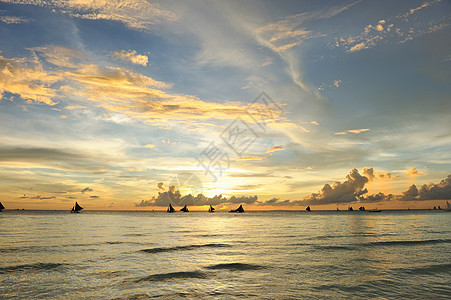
[{"x": 351, "y": 190}]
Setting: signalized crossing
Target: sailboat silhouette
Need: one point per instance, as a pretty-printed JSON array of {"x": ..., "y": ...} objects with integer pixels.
[
  {"x": 170, "y": 208},
  {"x": 238, "y": 210},
  {"x": 76, "y": 208},
  {"x": 185, "y": 209},
  {"x": 211, "y": 209},
  {"x": 1, "y": 207}
]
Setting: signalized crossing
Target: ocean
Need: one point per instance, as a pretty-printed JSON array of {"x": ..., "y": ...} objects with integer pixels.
[{"x": 260, "y": 255}]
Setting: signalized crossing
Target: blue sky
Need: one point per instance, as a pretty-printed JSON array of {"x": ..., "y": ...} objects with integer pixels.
[{"x": 129, "y": 98}]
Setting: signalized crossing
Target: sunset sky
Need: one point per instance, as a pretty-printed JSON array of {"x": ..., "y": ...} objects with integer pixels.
[{"x": 272, "y": 104}]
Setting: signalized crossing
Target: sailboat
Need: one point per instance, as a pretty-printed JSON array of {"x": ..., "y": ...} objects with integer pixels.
[
  {"x": 362, "y": 208},
  {"x": 170, "y": 208},
  {"x": 76, "y": 208},
  {"x": 185, "y": 209},
  {"x": 375, "y": 210},
  {"x": 448, "y": 206},
  {"x": 350, "y": 208},
  {"x": 238, "y": 210},
  {"x": 1, "y": 207},
  {"x": 211, "y": 209},
  {"x": 308, "y": 208}
]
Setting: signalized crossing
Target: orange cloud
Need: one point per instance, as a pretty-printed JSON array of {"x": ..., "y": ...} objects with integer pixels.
[
  {"x": 412, "y": 172},
  {"x": 250, "y": 158},
  {"x": 30, "y": 83},
  {"x": 276, "y": 148},
  {"x": 356, "y": 131}
]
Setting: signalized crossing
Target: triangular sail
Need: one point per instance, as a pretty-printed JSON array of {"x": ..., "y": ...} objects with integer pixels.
[
  {"x": 239, "y": 209},
  {"x": 170, "y": 209},
  {"x": 308, "y": 208},
  {"x": 211, "y": 209},
  {"x": 1, "y": 206},
  {"x": 185, "y": 209},
  {"x": 77, "y": 207}
]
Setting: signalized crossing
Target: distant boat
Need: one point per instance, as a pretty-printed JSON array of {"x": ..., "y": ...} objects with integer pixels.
[
  {"x": 1, "y": 207},
  {"x": 238, "y": 210},
  {"x": 170, "y": 208},
  {"x": 308, "y": 208},
  {"x": 76, "y": 208},
  {"x": 448, "y": 206},
  {"x": 375, "y": 210},
  {"x": 184, "y": 209},
  {"x": 338, "y": 209},
  {"x": 362, "y": 208},
  {"x": 350, "y": 208},
  {"x": 211, "y": 209}
]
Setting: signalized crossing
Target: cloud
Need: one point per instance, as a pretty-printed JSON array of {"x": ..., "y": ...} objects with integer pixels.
[
  {"x": 355, "y": 131},
  {"x": 340, "y": 192},
  {"x": 412, "y": 172},
  {"x": 86, "y": 190},
  {"x": 439, "y": 191},
  {"x": 149, "y": 146},
  {"x": 132, "y": 56},
  {"x": 371, "y": 174},
  {"x": 13, "y": 20},
  {"x": 59, "y": 159},
  {"x": 418, "y": 8},
  {"x": 38, "y": 197},
  {"x": 275, "y": 148},
  {"x": 72, "y": 107},
  {"x": 27, "y": 79},
  {"x": 94, "y": 197},
  {"x": 117, "y": 90},
  {"x": 175, "y": 198},
  {"x": 396, "y": 29},
  {"x": 135, "y": 14},
  {"x": 291, "y": 31},
  {"x": 250, "y": 158}
]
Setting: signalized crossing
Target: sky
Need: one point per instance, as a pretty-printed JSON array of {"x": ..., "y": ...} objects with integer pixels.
[{"x": 271, "y": 104}]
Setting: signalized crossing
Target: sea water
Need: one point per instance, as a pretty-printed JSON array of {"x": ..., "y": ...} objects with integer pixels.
[{"x": 264, "y": 255}]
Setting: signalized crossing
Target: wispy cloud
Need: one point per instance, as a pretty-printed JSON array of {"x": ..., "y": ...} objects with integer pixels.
[
  {"x": 135, "y": 14},
  {"x": 13, "y": 20},
  {"x": 275, "y": 148},
  {"x": 355, "y": 131},
  {"x": 391, "y": 29}
]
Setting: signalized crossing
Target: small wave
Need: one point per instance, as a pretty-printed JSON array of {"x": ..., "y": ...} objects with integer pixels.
[
  {"x": 235, "y": 267},
  {"x": 173, "y": 275},
  {"x": 114, "y": 243},
  {"x": 30, "y": 267},
  {"x": 134, "y": 234},
  {"x": 408, "y": 243},
  {"x": 332, "y": 247},
  {"x": 428, "y": 269},
  {"x": 178, "y": 248}
]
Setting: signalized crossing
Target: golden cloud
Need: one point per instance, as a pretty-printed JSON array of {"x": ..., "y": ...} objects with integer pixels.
[
  {"x": 31, "y": 83},
  {"x": 276, "y": 148},
  {"x": 118, "y": 90},
  {"x": 132, "y": 56}
]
